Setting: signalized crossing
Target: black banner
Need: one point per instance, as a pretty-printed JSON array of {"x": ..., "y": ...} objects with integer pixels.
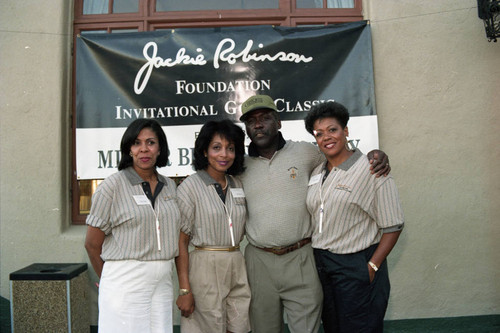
[{"x": 186, "y": 76}]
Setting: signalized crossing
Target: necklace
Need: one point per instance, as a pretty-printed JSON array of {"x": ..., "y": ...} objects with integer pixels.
[{"x": 225, "y": 187}]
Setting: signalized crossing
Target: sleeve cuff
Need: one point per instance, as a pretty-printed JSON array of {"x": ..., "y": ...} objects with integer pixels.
[
  {"x": 96, "y": 222},
  {"x": 393, "y": 228}
]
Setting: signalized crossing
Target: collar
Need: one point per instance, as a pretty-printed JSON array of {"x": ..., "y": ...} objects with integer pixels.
[
  {"x": 206, "y": 178},
  {"x": 347, "y": 163},
  {"x": 135, "y": 179},
  {"x": 252, "y": 150}
]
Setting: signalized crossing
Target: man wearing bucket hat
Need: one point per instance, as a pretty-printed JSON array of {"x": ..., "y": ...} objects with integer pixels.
[{"x": 279, "y": 258}]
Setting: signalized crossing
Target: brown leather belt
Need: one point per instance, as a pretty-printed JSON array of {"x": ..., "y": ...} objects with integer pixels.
[{"x": 280, "y": 250}]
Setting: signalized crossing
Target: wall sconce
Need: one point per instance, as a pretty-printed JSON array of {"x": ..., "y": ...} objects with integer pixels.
[{"x": 489, "y": 12}]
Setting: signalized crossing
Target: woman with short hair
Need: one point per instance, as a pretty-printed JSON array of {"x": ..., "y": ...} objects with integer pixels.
[{"x": 357, "y": 219}]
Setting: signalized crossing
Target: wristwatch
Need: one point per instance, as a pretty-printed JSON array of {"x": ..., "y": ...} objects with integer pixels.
[{"x": 183, "y": 292}]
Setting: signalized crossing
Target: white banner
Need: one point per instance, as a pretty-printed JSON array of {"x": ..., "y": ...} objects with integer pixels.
[{"x": 99, "y": 158}]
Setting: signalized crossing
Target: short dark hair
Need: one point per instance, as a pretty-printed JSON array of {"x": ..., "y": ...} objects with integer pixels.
[
  {"x": 132, "y": 132},
  {"x": 228, "y": 130},
  {"x": 326, "y": 110}
]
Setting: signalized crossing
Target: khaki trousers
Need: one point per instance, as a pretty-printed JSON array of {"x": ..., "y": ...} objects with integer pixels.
[
  {"x": 286, "y": 283},
  {"x": 221, "y": 293}
]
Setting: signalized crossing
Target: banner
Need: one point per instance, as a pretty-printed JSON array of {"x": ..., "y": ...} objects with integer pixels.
[{"x": 185, "y": 77}]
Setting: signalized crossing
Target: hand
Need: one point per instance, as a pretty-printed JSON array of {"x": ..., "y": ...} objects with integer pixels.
[
  {"x": 379, "y": 163},
  {"x": 371, "y": 272},
  {"x": 186, "y": 304}
]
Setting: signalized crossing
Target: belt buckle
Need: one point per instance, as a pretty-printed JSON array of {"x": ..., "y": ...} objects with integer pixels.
[{"x": 279, "y": 250}]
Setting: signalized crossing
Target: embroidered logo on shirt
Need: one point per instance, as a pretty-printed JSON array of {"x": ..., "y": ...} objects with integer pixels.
[
  {"x": 343, "y": 188},
  {"x": 293, "y": 172}
]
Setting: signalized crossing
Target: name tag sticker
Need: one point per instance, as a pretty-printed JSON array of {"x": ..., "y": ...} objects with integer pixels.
[
  {"x": 314, "y": 179},
  {"x": 141, "y": 200},
  {"x": 237, "y": 192}
]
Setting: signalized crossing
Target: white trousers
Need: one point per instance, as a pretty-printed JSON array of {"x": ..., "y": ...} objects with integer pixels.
[{"x": 136, "y": 297}]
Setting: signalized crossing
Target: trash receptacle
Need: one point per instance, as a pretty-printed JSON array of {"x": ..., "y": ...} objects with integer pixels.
[{"x": 50, "y": 298}]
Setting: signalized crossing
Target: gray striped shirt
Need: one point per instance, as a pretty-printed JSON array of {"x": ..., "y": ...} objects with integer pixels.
[
  {"x": 358, "y": 207},
  {"x": 130, "y": 228},
  {"x": 204, "y": 216}
]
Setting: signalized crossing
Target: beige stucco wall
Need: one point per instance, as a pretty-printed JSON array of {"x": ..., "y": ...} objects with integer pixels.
[
  {"x": 35, "y": 160},
  {"x": 437, "y": 89},
  {"x": 437, "y": 83}
]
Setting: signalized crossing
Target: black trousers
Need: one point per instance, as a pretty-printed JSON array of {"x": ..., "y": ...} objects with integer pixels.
[{"x": 351, "y": 303}]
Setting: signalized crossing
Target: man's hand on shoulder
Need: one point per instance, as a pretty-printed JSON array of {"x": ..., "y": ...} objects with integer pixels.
[{"x": 379, "y": 163}]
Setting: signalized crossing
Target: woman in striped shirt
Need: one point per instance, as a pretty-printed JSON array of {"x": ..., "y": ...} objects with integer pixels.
[
  {"x": 132, "y": 235},
  {"x": 214, "y": 293},
  {"x": 357, "y": 219}
]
